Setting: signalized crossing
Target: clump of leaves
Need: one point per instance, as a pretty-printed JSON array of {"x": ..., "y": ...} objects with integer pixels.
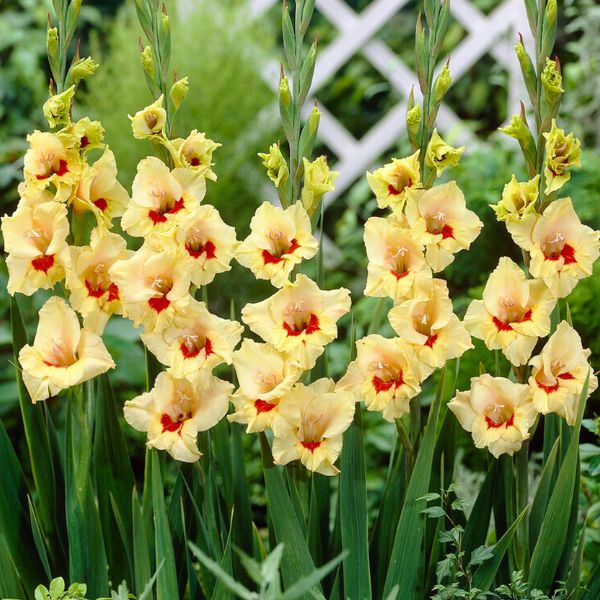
[{"x": 57, "y": 591}]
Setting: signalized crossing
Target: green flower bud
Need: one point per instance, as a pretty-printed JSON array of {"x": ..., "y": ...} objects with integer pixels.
[
  {"x": 57, "y": 109},
  {"x": 313, "y": 120},
  {"x": 179, "y": 91},
  {"x": 442, "y": 84},
  {"x": 52, "y": 41},
  {"x": 276, "y": 165},
  {"x": 550, "y": 16},
  {"x": 148, "y": 62},
  {"x": 413, "y": 118},
  {"x": 165, "y": 23},
  {"x": 517, "y": 128},
  {"x": 318, "y": 180},
  {"x": 527, "y": 69},
  {"x": 84, "y": 67},
  {"x": 440, "y": 155},
  {"x": 284, "y": 92},
  {"x": 562, "y": 153},
  {"x": 552, "y": 81}
]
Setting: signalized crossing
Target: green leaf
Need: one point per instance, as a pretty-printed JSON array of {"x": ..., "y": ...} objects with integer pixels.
[
  {"x": 353, "y": 512},
  {"x": 308, "y": 582},
  {"x": 406, "y": 554},
  {"x": 36, "y": 433},
  {"x": 484, "y": 576},
  {"x": 574, "y": 578},
  {"x": 141, "y": 554},
  {"x": 297, "y": 560},
  {"x": 593, "y": 585},
  {"x": 553, "y": 534},
  {"x": 228, "y": 581},
  {"x": 39, "y": 539},
  {"x": 542, "y": 494},
  {"x": 166, "y": 583}
]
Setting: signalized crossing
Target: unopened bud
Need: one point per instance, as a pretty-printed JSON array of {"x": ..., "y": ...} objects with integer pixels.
[
  {"x": 57, "y": 109},
  {"x": 52, "y": 41},
  {"x": 179, "y": 91},
  {"x": 284, "y": 92},
  {"x": 84, "y": 67},
  {"x": 148, "y": 62},
  {"x": 442, "y": 83},
  {"x": 552, "y": 80},
  {"x": 314, "y": 119},
  {"x": 413, "y": 118}
]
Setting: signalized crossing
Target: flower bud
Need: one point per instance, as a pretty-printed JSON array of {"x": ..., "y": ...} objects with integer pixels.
[
  {"x": 84, "y": 67},
  {"x": 413, "y": 118},
  {"x": 148, "y": 62},
  {"x": 57, "y": 109},
  {"x": 285, "y": 96},
  {"x": 52, "y": 41},
  {"x": 518, "y": 200},
  {"x": 552, "y": 81},
  {"x": 562, "y": 153},
  {"x": 165, "y": 23},
  {"x": 318, "y": 180},
  {"x": 442, "y": 84},
  {"x": 314, "y": 119},
  {"x": 179, "y": 91},
  {"x": 150, "y": 121},
  {"x": 440, "y": 155},
  {"x": 276, "y": 165},
  {"x": 527, "y": 70}
]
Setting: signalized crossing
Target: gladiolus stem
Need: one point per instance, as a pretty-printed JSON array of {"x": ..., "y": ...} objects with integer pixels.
[{"x": 522, "y": 497}]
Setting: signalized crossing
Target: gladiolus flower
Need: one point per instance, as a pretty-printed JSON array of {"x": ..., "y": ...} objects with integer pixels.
[
  {"x": 35, "y": 239},
  {"x": 32, "y": 196},
  {"x": 514, "y": 312},
  {"x": 299, "y": 319},
  {"x": 562, "y": 249},
  {"x": 100, "y": 191},
  {"x": 562, "y": 153},
  {"x": 278, "y": 241},
  {"x": 195, "y": 152},
  {"x": 497, "y": 412},
  {"x": 318, "y": 180},
  {"x": 518, "y": 200},
  {"x": 62, "y": 355},
  {"x": 440, "y": 155},
  {"x": 265, "y": 376},
  {"x": 161, "y": 198},
  {"x": 559, "y": 374},
  {"x": 429, "y": 325},
  {"x": 391, "y": 182},
  {"x": 175, "y": 410},
  {"x": 276, "y": 165},
  {"x": 57, "y": 109},
  {"x": 196, "y": 340},
  {"x": 154, "y": 287},
  {"x": 51, "y": 160},
  {"x": 93, "y": 292},
  {"x": 396, "y": 259},
  {"x": 208, "y": 241},
  {"x": 386, "y": 375},
  {"x": 310, "y": 426},
  {"x": 440, "y": 220},
  {"x": 89, "y": 134},
  {"x": 150, "y": 121}
]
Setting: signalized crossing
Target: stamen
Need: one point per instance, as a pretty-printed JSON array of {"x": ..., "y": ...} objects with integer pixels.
[{"x": 35, "y": 233}]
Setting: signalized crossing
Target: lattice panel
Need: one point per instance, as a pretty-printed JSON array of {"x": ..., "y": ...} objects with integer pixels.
[{"x": 492, "y": 34}]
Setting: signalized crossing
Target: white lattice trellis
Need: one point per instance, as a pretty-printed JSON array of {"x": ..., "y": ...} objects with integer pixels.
[{"x": 494, "y": 34}]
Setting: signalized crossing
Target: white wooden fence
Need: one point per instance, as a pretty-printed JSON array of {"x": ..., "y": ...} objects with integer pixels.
[{"x": 493, "y": 34}]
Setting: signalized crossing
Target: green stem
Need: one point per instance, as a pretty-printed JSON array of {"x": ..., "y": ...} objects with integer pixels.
[{"x": 522, "y": 497}]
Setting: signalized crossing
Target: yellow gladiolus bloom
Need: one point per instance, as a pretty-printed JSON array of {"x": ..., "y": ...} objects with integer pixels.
[
  {"x": 52, "y": 160},
  {"x": 150, "y": 121},
  {"x": 440, "y": 220},
  {"x": 396, "y": 259},
  {"x": 299, "y": 319},
  {"x": 195, "y": 152},
  {"x": 386, "y": 375},
  {"x": 518, "y": 200},
  {"x": 196, "y": 340},
  {"x": 265, "y": 376},
  {"x": 62, "y": 355},
  {"x": 93, "y": 292},
  {"x": 559, "y": 374},
  {"x": 391, "y": 182},
  {"x": 279, "y": 240},
  {"x": 310, "y": 426},
  {"x": 428, "y": 323},
  {"x": 35, "y": 239},
  {"x": 514, "y": 312},
  {"x": 497, "y": 412},
  {"x": 318, "y": 180},
  {"x": 154, "y": 287},
  {"x": 562, "y": 153},
  {"x": 161, "y": 198},
  {"x": 175, "y": 410},
  {"x": 100, "y": 191},
  {"x": 562, "y": 250},
  {"x": 208, "y": 241}
]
